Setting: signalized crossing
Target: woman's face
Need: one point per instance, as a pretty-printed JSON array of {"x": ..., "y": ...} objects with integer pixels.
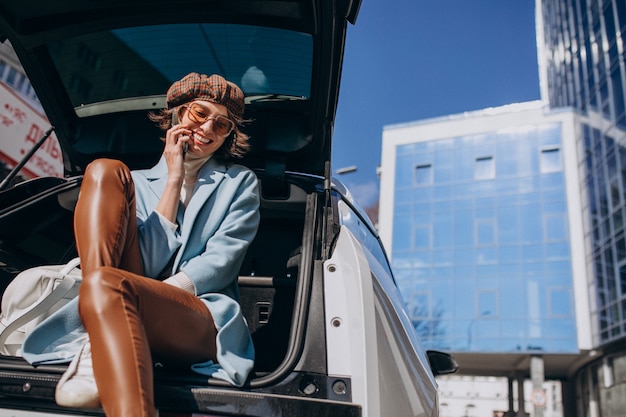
[{"x": 209, "y": 124}]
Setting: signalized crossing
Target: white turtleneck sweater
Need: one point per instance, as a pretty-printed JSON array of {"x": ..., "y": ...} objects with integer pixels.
[{"x": 192, "y": 166}]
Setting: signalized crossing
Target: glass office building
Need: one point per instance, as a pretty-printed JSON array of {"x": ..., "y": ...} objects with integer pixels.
[
  {"x": 583, "y": 63},
  {"x": 481, "y": 215},
  {"x": 480, "y": 241},
  {"x": 483, "y": 222},
  {"x": 581, "y": 51},
  {"x": 581, "y": 46}
]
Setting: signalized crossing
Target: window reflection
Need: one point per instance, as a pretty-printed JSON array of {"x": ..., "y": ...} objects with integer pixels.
[
  {"x": 422, "y": 237},
  {"x": 555, "y": 227},
  {"x": 485, "y": 232},
  {"x": 487, "y": 303},
  {"x": 560, "y": 301}
]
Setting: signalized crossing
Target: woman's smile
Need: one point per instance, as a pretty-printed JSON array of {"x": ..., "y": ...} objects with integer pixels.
[{"x": 200, "y": 139}]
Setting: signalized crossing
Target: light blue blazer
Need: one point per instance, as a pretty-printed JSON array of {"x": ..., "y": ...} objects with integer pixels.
[{"x": 209, "y": 245}]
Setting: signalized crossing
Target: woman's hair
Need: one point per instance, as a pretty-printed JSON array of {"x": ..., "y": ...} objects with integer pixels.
[{"x": 235, "y": 146}]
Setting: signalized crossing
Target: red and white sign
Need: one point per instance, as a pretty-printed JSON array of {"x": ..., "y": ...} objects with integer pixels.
[
  {"x": 21, "y": 127},
  {"x": 538, "y": 397}
]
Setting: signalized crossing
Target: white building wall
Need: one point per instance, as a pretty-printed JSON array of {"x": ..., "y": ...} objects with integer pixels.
[{"x": 478, "y": 396}]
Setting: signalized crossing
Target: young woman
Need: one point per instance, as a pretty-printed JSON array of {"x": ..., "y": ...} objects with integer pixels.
[{"x": 160, "y": 252}]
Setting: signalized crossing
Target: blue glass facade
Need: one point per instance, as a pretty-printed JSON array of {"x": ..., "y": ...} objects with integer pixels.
[
  {"x": 583, "y": 53},
  {"x": 604, "y": 180},
  {"x": 584, "y": 46},
  {"x": 480, "y": 245},
  {"x": 584, "y": 49}
]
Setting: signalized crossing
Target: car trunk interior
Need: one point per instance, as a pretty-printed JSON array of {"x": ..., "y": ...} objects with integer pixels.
[{"x": 36, "y": 228}]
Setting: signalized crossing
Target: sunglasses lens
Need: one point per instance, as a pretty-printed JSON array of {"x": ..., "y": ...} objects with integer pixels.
[
  {"x": 197, "y": 114},
  {"x": 221, "y": 125}
]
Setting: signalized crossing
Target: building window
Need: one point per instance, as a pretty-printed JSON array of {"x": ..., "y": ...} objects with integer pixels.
[
  {"x": 487, "y": 303},
  {"x": 422, "y": 237},
  {"x": 555, "y": 227},
  {"x": 14, "y": 78},
  {"x": 615, "y": 195},
  {"x": 3, "y": 67},
  {"x": 485, "y": 232},
  {"x": 120, "y": 80},
  {"x": 423, "y": 174},
  {"x": 484, "y": 168},
  {"x": 560, "y": 302},
  {"x": 550, "y": 160},
  {"x": 89, "y": 57},
  {"x": 620, "y": 247}
]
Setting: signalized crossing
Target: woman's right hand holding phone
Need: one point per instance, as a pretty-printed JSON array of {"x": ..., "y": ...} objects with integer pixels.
[{"x": 176, "y": 140}]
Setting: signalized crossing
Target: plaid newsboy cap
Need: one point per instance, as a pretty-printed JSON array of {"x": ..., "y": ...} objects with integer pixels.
[{"x": 214, "y": 88}]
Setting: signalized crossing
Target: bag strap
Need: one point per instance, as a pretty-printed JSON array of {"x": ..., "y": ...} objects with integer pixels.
[
  {"x": 64, "y": 287},
  {"x": 70, "y": 266}
]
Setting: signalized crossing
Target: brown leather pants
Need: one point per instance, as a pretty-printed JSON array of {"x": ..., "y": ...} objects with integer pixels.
[{"x": 131, "y": 320}]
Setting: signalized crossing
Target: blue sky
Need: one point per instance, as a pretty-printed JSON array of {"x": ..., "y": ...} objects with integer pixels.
[{"x": 408, "y": 60}]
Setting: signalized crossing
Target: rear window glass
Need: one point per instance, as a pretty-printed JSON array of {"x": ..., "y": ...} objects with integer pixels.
[{"x": 144, "y": 61}]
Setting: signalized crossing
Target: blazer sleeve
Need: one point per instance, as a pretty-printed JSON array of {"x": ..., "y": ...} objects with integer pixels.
[{"x": 157, "y": 241}]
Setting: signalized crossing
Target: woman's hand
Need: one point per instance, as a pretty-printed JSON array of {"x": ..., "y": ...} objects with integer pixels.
[{"x": 175, "y": 139}]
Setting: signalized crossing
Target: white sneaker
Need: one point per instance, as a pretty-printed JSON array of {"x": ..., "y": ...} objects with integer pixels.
[{"x": 77, "y": 387}]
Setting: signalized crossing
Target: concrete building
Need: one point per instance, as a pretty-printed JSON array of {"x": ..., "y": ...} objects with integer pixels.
[{"x": 486, "y": 237}]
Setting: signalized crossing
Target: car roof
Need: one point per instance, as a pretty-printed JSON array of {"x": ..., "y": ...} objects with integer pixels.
[{"x": 98, "y": 67}]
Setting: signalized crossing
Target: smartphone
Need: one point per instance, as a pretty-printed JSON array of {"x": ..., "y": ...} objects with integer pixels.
[
  {"x": 185, "y": 149},
  {"x": 186, "y": 144}
]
